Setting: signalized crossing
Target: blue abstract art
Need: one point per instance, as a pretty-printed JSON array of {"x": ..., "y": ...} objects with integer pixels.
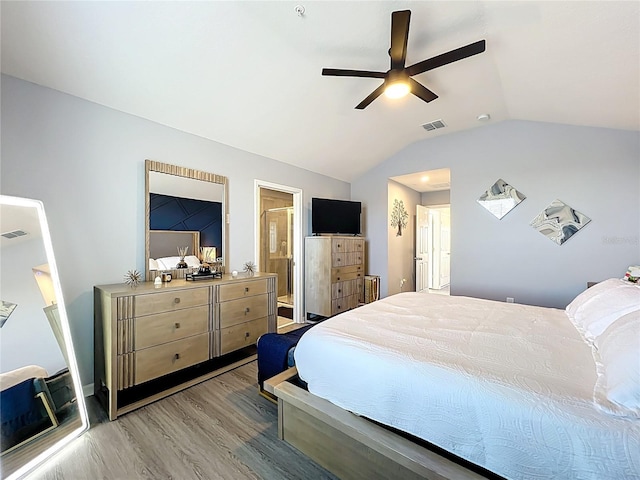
[
  {"x": 501, "y": 198},
  {"x": 559, "y": 222}
]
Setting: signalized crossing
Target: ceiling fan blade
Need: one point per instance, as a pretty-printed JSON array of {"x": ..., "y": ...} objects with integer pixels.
[
  {"x": 338, "y": 72},
  {"x": 372, "y": 96},
  {"x": 399, "y": 38},
  {"x": 421, "y": 91},
  {"x": 445, "y": 58}
]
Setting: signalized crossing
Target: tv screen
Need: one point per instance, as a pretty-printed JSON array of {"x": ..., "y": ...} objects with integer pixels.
[{"x": 335, "y": 216}]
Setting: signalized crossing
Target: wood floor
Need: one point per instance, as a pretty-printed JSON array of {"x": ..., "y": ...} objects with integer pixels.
[{"x": 219, "y": 429}]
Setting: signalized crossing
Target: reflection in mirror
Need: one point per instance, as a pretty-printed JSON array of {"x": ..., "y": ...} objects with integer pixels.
[
  {"x": 185, "y": 219},
  {"x": 41, "y": 403}
]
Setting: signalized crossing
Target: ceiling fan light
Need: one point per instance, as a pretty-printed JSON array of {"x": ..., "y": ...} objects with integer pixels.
[{"x": 397, "y": 89}]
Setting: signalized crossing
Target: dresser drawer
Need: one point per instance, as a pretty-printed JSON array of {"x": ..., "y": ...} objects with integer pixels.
[
  {"x": 345, "y": 259},
  {"x": 343, "y": 304},
  {"x": 346, "y": 288},
  {"x": 347, "y": 245},
  {"x": 347, "y": 273},
  {"x": 243, "y": 310},
  {"x": 242, "y": 289},
  {"x": 170, "y": 301},
  {"x": 242, "y": 335},
  {"x": 157, "y": 361},
  {"x": 169, "y": 326}
]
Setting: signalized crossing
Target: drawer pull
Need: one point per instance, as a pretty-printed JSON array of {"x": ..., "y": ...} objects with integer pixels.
[
  {"x": 338, "y": 278},
  {"x": 247, "y": 310},
  {"x": 246, "y": 335},
  {"x": 177, "y": 325},
  {"x": 246, "y": 289},
  {"x": 339, "y": 290},
  {"x": 176, "y": 300},
  {"x": 176, "y": 356}
]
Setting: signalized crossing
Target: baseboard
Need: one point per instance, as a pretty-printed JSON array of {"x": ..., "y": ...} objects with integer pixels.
[{"x": 87, "y": 390}]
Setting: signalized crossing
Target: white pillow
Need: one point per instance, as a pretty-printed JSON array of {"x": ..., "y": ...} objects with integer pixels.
[
  {"x": 168, "y": 263},
  {"x": 192, "y": 260},
  {"x": 617, "y": 355},
  {"x": 590, "y": 293},
  {"x": 593, "y": 313}
]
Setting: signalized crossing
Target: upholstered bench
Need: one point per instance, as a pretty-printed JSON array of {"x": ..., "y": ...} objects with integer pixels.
[{"x": 275, "y": 354}]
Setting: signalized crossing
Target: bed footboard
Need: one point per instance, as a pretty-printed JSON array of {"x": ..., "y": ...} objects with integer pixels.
[{"x": 352, "y": 447}]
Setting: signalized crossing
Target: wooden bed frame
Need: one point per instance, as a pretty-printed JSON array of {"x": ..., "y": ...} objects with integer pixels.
[{"x": 350, "y": 446}]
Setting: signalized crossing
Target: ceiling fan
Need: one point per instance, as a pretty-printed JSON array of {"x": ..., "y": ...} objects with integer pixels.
[{"x": 397, "y": 80}]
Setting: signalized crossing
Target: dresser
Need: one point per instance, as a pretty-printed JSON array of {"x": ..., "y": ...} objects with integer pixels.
[
  {"x": 334, "y": 274},
  {"x": 152, "y": 341}
]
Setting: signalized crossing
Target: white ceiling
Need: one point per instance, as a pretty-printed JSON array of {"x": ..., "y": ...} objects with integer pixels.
[
  {"x": 247, "y": 74},
  {"x": 427, "y": 181}
]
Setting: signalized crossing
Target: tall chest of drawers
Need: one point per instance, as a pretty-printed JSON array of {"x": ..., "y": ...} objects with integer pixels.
[
  {"x": 152, "y": 341},
  {"x": 334, "y": 274}
]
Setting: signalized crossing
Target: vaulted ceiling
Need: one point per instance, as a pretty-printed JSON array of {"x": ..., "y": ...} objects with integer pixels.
[{"x": 248, "y": 74}]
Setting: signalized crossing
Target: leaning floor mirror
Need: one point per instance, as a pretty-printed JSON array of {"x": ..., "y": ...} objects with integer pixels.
[{"x": 42, "y": 407}]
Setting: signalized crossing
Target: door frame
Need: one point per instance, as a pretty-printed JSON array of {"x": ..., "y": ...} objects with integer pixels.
[{"x": 298, "y": 297}]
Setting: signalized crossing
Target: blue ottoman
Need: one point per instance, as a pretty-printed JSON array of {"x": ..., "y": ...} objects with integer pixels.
[{"x": 275, "y": 353}]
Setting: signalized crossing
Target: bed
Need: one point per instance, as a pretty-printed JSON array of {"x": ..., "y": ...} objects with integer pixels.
[{"x": 518, "y": 391}]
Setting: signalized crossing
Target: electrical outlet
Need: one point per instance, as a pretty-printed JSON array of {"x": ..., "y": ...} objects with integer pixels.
[{"x": 509, "y": 299}]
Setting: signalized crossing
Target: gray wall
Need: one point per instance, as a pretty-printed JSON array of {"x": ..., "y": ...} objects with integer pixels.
[
  {"x": 401, "y": 266},
  {"x": 596, "y": 171},
  {"x": 442, "y": 197},
  {"x": 86, "y": 163},
  {"x": 26, "y": 338}
]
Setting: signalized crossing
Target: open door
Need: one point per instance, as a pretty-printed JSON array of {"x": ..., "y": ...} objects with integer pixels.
[
  {"x": 440, "y": 251},
  {"x": 422, "y": 248}
]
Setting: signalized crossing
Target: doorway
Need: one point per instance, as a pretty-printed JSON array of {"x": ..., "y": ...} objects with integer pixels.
[
  {"x": 439, "y": 276},
  {"x": 278, "y": 241},
  {"x": 433, "y": 249}
]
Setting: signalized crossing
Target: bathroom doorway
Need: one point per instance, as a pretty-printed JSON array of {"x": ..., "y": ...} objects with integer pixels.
[{"x": 278, "y": 246}]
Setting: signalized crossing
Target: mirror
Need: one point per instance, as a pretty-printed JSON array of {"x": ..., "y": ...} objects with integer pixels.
[
  {"x": 184, "y": 208},
  {"x": 42, "y": 406}
]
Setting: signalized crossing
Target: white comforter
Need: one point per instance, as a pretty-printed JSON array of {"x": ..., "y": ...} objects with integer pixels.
[{"x": 506, "y": 386}]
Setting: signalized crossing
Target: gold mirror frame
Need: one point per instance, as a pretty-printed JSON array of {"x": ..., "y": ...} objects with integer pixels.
[
  {"x": 67, "y": 421},
  {"x": 190, "y": 173}
]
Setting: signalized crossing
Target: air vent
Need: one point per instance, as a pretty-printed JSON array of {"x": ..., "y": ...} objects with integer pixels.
[
  {"x": 14, "y": 234},
  {"x": 433, "y": 125}
]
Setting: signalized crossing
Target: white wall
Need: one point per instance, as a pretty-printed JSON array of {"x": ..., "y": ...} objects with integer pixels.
[
  {"x": 594, "y": 170},
  {"x": 86, "y": 163}
]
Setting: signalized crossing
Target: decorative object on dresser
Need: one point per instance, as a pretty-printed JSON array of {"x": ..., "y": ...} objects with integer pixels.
[
  {"x": 334, "y": 273},
  {"x": 154, "y": 341},
  {"x": 132, "y": 278},
  {"x": 249, "y": 269},
  {"x": 182, "y": 252}
]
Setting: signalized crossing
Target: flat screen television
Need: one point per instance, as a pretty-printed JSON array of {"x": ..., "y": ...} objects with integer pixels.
[{"x": 335, "y": 216}]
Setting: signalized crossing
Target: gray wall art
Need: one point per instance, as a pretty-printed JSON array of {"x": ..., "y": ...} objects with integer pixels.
[
  {"x": 559, "y": 222},
  {"x": 501, "y": 198}
]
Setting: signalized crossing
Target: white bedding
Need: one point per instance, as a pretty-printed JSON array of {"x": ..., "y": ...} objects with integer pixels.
[{"x": 506, "y": 386}]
